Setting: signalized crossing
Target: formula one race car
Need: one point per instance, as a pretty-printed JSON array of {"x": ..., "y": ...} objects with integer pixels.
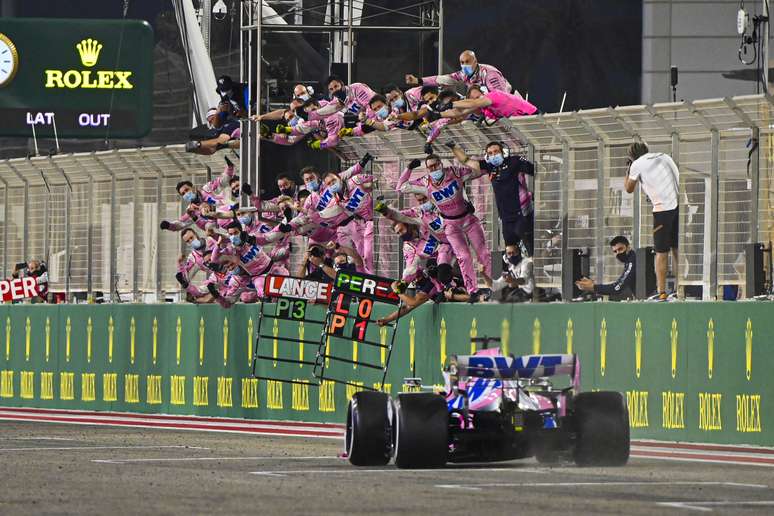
[{"x": 493, "y": 408}]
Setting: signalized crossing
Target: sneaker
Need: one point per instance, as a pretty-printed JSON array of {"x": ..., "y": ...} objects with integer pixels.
[
  {"x": 473, "y": 297},
  {"x": 484, "y": 294},
  {"x": 658, "y": 298},
  {"x": 673, "y": 297},
  {"x": 192, "y": 146}
]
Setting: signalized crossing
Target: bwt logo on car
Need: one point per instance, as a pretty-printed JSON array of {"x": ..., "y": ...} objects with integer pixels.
[
  {"x": 325, "y": 198},
  {"x": 446, "y": 192},
  {"x": 355, "y": 199},
  {"x": 509, "y": 367}
]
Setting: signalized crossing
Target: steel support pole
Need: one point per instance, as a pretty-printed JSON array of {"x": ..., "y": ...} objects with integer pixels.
[
  {"x": 564, "y": 205},
  {"x": 440, "y": 37},
  {"x": 136, "y": 243},
  {"x": 637, "y": 240},
  {"x": 680, "y": 290},
  {"x": 350, "y": 44},
  {"x": 765, "y": 38},
  {"x": 89, "y": 245},
  {"x": 157, "y": 263},
  {"x": 710, "y": 259},
  {"x": 338, "y": 28},
  {"x": 755, "y": 181},
  {"x": 599, "y": 236},
  {"x": 68, "y": 254}
]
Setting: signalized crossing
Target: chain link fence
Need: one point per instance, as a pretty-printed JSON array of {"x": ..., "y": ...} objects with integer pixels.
[{"x": 94, "y": 216}]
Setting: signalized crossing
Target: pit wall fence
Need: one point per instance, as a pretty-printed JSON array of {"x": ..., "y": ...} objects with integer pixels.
[{"x": 698, "y": 372}]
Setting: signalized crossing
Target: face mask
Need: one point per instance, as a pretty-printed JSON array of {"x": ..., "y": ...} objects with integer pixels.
[
  {"x": 621, "y": 257},
  {"x": 426, "y": 206},
  {"x": 235, "y": 193},
  {"x": 399, "y": 103},
  {"x": 335, "y": 187},
  {"x": 287, "y": 191},
  {"x": 344, "y": 266},
  {"x": 467, "y": 70},
  {"x": 196, "y": 244},
  {"x": 304, "y": 97},
  {"x": 293, "y": 121},
  {"x": 514, "y": 260},
  {"x": 437, "y": 175},
  {"x": 236, "y": 239},
  {"x": 383, "y": 112},
  {"x": 495, "y": 160},
  {"x": 313, "y": 185},
  {"x": 189, "y": 196},
  {"x": 245, "y": 219}
]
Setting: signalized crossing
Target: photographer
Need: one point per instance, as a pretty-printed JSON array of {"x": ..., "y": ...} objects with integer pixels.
[
  {"x": 517, "y": 282},
  {"x": 315, "y": 265}
]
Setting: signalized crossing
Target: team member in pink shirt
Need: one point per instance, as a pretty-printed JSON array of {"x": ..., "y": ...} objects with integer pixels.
[
  {"x": 351, "y": 98},
  {"x": 471, "y": 72},
  {"x": 445, "y": 186},
  {"x": 493, "y": 105}
]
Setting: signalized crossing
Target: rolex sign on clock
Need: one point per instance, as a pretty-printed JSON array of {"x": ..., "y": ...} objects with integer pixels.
[{"x": 9, "y": 60}]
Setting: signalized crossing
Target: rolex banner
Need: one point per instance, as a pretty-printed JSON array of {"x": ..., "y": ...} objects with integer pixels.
[
  {"x": 690, "y": 371},
  {"x": 76, "y": 78}
]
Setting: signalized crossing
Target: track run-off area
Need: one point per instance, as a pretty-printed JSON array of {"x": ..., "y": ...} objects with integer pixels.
[{"x": 96, "y": 463}]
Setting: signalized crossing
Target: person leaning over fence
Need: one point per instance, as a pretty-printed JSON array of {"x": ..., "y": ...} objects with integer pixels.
[
  {"x": 624, "y": 287},
  {"x": 660, "y": 180}
]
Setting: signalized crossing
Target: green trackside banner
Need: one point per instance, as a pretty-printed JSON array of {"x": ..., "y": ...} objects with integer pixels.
[{"x": 690, "y": 371}]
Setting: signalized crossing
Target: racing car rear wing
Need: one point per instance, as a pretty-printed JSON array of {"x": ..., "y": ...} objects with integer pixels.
[{"x": 510, "y": 367}]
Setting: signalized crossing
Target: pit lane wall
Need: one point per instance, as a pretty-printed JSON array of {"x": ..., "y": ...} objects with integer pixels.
[{"x": 697, "y": 372}]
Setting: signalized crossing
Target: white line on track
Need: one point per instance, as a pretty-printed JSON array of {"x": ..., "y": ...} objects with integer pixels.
[
  {"x": 38, "y": 439},
  {"x": 390, "y": 470},
  {"x": 478, "y": 487},
  {"x": 184, "y": 459},
  {"x": 711, "y": 461},
  {"x": 702, "y": 506},
  {"x": 79, "y": 448}
]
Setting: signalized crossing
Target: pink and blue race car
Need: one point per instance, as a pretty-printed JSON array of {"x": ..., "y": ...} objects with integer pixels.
[{"x": 493, "y": 408}]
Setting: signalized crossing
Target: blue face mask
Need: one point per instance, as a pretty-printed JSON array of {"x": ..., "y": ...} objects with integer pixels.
[
  {"x": 294, "y": 121},
  {"x": 189, "y": 196},
  {"x": 313, "y": 185},
  {"x": 196, "y": 244},
  {"x": 437, "y": 175},
  {"x": 495, "y": 160},
  {"x": 305, "y": 97},
  {"x": 383, "y": 112},
  {"x": 426, "y": 206},
  {"x": 335, "y": 187},
  {"x": 467, "y": 70},
  {"x": 236, "y": 239},
  {"x": 399, "y": 103},
  {"x": 245, "y": 219}
]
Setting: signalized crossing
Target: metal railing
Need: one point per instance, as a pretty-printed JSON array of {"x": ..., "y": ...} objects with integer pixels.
[{"x": 95, "y": 216}]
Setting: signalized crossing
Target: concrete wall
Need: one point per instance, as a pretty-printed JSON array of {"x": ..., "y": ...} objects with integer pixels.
[{"x": 697, "y": 36}]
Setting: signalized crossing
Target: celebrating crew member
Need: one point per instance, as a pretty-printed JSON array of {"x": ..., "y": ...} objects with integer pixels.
[{"x": 471, "y": 72}]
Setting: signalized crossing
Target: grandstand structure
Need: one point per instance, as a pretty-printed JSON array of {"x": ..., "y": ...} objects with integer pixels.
[{"x": 94, "y": 216}]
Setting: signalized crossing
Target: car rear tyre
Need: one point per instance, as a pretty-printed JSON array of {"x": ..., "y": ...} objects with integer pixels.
[
  {"x": 421, "y": 430},
  {"x": 368, "y": 436},
  {"x": 602, "y": 426}
]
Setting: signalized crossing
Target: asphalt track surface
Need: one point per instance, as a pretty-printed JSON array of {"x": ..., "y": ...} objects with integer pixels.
[{"x": 50, "y": 468}]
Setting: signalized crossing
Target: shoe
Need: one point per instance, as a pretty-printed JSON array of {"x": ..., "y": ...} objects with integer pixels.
[
  {"x": 474, "y": 298},
  {"x": 673, "y": 297},
  {"x": 181, "y": 279},
  {"x": 658, "y": 298},
  {"x": 192, "y": 146}
]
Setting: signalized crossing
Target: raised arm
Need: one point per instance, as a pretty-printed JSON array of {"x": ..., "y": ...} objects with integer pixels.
[{"x": 462, "y": 158}]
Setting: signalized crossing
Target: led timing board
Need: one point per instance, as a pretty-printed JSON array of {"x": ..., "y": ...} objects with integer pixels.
[{"x": 81, "y": 78}]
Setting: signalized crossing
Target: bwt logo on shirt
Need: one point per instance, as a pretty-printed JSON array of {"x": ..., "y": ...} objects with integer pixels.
[
  {"x": 250, "y": 255},
  {"x": 431, "y": 246},
  {"x": 325, "y": 198},
  {"x": 355, "y": 108},
  {"x": 354, "y": 201},
  {"x": 436, "y": 224},
  {"x": 446, "y": 192}
]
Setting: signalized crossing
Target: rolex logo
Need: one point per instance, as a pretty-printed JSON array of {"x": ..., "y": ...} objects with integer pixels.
[{"x": 89, "y": 51}]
